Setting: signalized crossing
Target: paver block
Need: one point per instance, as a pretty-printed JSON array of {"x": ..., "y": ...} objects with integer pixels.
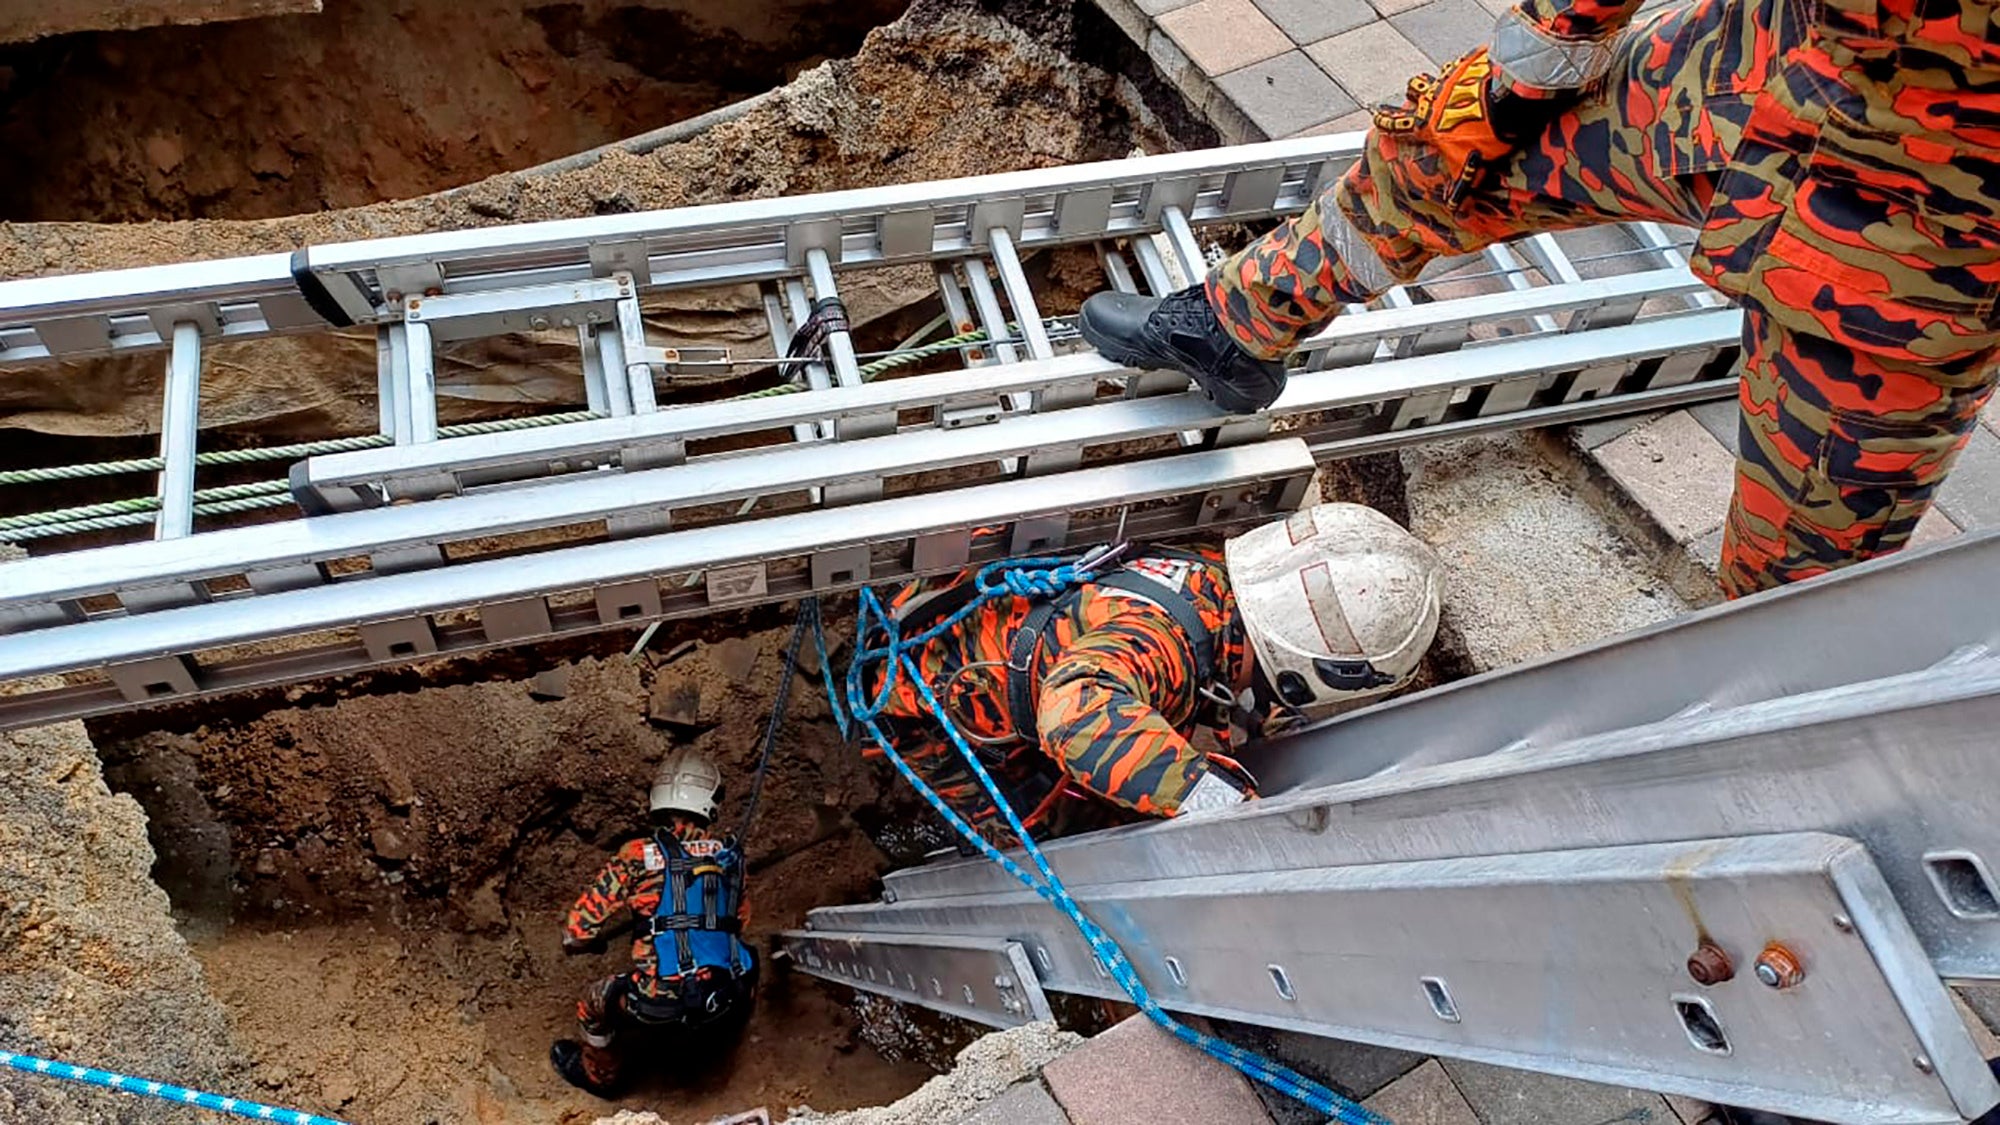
[
  {"x": 1354, "y": 1070},
  {"x": 1309, "y": 21},
  {"x": 1971, "y": 494},
  {"x": 1690, "y": 1111},
  {"x": 1136, "y": 1074},
  {"x": 1497, "y": 7},
  {"x": 1425, "y": 1096},
  {"x": 1359, "y": 121},
  {"x": 1722, "y": 418},
  {"x": 1373, "y": 63},
  {"x": 1445, "y": 29},
  {"x": 1130, "y": 18},
  {"x": 1933, "y": 527},
  {"x": 1285, "y": 95},
  {"x": 1387, "y": 8},
  {"x": 1676, "y": 471},
  {"x": 1517, "y": 1097},
  {"x": 1979, "y": 1006},
  {"x": 1224, "y": 35},
  {"x": 1178, "y": 69},
  {"x": 1024, "y": 1103},
  {"x": 1161, "y": 7},
  {"x": 1590, "y": 435}
]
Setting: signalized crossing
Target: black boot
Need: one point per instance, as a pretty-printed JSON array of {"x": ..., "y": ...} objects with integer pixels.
[
  {"x": 566, "y": 1055},
  {"x": 1180, "y": 332}
]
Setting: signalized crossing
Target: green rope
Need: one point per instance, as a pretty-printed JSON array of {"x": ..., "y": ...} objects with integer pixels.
[
  {"x": 140, "y": 505},
  {"x": 140, "y": 519},
  {"x": 278, "y": 452}
]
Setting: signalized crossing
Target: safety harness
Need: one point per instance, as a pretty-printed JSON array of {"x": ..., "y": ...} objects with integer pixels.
[
  {"x": 695, "y": 930},
  {"x": 1033, "y": 639}
]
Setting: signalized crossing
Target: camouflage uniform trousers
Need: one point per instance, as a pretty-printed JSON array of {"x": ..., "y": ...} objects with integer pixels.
[{"x": 1868, "y": 343}]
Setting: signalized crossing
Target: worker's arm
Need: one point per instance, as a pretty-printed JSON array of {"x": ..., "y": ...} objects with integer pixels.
[
  {"x": 1097, "y": 716},
  {"x": 590, "y": 918},
  {"x": 1553, "y": 48}
]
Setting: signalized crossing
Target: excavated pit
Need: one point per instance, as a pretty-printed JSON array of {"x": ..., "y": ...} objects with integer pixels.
[
  {"x": 372, "y": 872},
  {"x": 377, "y": 99}
]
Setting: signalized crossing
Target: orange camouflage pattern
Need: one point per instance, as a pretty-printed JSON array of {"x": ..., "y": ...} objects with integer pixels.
[
  {"x": 1116, "y": 698},
  {"x": 1841, "y": 161},
  {"x": 624, "y": 890}
]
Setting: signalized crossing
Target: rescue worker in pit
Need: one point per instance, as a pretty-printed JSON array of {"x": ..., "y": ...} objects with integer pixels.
[
  {"x": 1292, "y": 619},
  {"x": 1840, "y": 159},
  {"x": 688, "y": 994}
]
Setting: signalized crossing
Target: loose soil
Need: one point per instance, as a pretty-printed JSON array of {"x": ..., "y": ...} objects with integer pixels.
[
  {"x": 377, "y": 99},
  {"x": 377, "y": 884}
]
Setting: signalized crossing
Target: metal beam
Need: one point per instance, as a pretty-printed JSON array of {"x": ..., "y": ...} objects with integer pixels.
[
  {"x": 986, "y": 981},
  {"x": 1568, "y": 962}
]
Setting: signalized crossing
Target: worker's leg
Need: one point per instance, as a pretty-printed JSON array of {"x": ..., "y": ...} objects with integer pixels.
[
  {"x": 1843, "y": 448},
  {"x": 1595, "y": 163},
  {"x": 592, "y": 1063}
]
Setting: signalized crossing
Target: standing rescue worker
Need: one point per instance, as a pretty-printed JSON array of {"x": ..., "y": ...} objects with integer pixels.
[
  {"x": 692, "y": 979},
  {"x": 1086, "y": 705},
  {"x": 1841, "y": 159}
]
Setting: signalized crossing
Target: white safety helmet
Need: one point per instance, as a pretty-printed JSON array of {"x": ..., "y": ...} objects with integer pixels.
[
  {"x": 687, "y": 782},
  {"x": 1339, "y": 603}
]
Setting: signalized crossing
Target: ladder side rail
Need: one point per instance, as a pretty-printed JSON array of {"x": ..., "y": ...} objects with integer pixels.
[
  {"x": 150, "y": 657},
  {"x": 38, "y": 581}
]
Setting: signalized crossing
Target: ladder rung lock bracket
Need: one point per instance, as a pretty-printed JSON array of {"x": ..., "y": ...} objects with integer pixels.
[
  {"x": 1082, "y": 213},
  {"x": 147, "y": 681},
  {"x": 802, "y": 237},
  {"x": 991, "y": 214},
  {"x": 620, "y": 602},
  {"x": 1040, "y": 535},
  {"x": 517, "y": 620},
  {"x": 399, "y": 640},
  {"x": 909, "y": 234},
  {"x": 841, "y": 568},
  {"x": 947, "y": 550}
]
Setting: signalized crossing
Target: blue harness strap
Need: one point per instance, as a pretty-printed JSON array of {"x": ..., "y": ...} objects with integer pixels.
[{"x": 1040, "y": 578}]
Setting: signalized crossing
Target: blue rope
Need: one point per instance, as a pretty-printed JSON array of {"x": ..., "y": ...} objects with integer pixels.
[
  {"x": 165, "y": 1091},
  {"x": 1028, "y": 578}
]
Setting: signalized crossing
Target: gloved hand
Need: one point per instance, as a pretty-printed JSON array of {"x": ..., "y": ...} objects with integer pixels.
[
  {"x": 1224, "y": 784},
  {"x": 576, "y": 948},
  {"x": 1452, "y": 128}
]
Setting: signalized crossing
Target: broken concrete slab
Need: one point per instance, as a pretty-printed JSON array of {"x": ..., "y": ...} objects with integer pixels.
[
  {"x": 1137, "y": 1074},
  {"x": 1028, "y": 1103}
]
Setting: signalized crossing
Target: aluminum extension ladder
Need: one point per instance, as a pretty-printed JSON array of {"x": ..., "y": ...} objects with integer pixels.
[
  {"x": 425, "y": 546},
  {"x": 1728, "y": 856}
]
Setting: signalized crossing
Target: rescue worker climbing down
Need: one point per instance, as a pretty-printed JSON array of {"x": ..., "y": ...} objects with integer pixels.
[
  {"x": 692, "y": 980},
  {"x": 1084, "y": 708},
  {"x": 1839, "y": 159}
]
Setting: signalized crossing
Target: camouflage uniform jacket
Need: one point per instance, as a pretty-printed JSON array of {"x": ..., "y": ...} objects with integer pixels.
[
  {"x": 1116, "y": 698},
  {"x": 632, "y": 881}
]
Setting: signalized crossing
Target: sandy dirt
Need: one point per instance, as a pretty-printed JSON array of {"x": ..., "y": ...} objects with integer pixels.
[
  {"x": 378, "y": 99},
  {"x": 379, "y": 881},
  {"x": 91, "y": 968}
]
